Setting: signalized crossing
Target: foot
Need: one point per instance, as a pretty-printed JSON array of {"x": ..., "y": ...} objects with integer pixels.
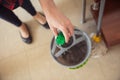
[
  {"x": 25, "y": 34},
  {"x": 41, "y": 19},
  {"x": 24, "y": 31}
]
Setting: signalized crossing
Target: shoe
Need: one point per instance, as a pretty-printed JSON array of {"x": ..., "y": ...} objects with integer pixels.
[
  {"x": 29, "y": 39},
  {"x": 46, "y": 25}
]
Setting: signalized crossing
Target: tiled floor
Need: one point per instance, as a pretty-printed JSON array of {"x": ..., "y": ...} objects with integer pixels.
[{"x": 19, "y": 61}]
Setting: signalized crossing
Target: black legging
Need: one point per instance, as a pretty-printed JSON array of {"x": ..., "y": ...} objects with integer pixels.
[{"x": 9, "y": 16}]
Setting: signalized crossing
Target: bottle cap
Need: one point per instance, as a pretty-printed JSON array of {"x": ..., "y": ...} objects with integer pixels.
[{"x": 60, "y": 40}]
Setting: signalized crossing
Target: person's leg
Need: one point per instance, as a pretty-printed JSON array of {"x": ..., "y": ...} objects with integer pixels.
[
  {"x": 27, "y": 5},
  {"x": 9, "y": 16}
]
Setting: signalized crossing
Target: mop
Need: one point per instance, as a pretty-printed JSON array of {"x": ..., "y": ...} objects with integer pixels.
[{"x": 98, "y": 46}]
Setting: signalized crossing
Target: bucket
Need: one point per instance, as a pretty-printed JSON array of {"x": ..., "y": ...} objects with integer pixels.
[{"x": 73, "y": 54}]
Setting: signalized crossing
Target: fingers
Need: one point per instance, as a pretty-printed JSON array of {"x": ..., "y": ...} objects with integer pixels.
[
  {"x": 71, "y": 29},
  {"x": 68, "y": 31},
  {"x": 54, "y": 30},
  {"x": 66, "y": 34}
]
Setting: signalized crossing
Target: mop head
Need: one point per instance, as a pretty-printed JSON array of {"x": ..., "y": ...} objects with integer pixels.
[{"x": 98, "y": 49}]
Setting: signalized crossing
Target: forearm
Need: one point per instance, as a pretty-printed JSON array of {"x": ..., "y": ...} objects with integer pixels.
[{"x": 48, "y": 6}]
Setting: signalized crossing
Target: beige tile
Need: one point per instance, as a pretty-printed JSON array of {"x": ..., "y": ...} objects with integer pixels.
[
  {"x": 110, "y": 65},
  {"x": 15, "y": 68},
  {"x": 92, "y": 71},
  {"x": 10, "y": 41}
]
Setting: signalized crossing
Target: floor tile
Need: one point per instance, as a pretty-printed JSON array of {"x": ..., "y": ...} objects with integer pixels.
[
  {"x": 110, "y": 65},
  {"x": 15, "y": 68},
  {"x": 10, "y": 41}
]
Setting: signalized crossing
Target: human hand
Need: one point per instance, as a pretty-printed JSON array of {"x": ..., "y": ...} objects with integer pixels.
[{"x": 58, "y": 21}]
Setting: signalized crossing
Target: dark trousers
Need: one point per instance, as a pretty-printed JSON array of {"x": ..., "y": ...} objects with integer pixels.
[{"x": 9, "y": 16}]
